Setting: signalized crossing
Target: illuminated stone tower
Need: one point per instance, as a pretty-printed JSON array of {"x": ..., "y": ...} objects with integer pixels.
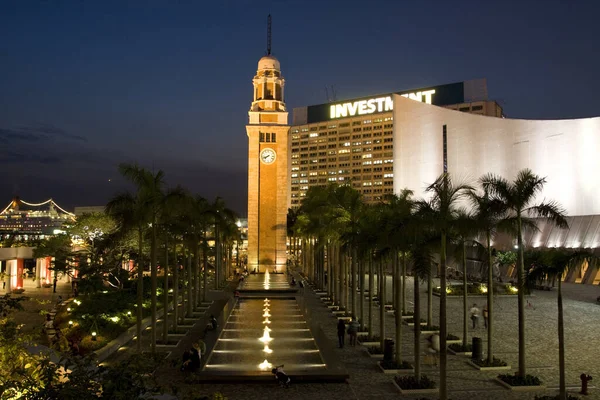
[{"x": 267, "y": 168}]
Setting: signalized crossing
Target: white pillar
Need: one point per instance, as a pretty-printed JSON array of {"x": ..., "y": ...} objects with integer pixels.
[
  {"x": 38, "y": 272},
  {"x": 11, "y": 275}
]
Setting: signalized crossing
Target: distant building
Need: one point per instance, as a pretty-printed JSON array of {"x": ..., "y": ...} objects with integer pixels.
[
  {"x": 353, "y": 140},
  {"x": 89, "y": 210},
  {"x": 26, "y": 221}
]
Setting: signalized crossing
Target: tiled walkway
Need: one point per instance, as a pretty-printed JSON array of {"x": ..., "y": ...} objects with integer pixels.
[{"x": 367, "y": 382}]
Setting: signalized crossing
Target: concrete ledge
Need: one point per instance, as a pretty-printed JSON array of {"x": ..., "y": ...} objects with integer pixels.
[
  {"x": 415, "y": 391},
  {"x": 519, "y": 388},
  {"x": 368, "y": 343},
  {"x": 503, "y": 368},
  {"x": 395, "y": 371},
  {"x": 114, "y": 345},
  {"x": 460, "y": 353}
]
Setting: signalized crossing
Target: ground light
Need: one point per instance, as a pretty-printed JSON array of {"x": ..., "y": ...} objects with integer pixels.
[
  {"x": 265, "y": 365},
  {"x": 94, "y": 336}
]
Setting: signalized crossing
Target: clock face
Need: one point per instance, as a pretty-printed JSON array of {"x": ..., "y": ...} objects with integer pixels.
[{"x": 267, "y": 156}]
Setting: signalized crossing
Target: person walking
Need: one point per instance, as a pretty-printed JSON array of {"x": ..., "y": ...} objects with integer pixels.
[
  {"x": 434, "y": 347},
  {"x": 474, "y": 315},
  {"x": 485, "y": 315},
  {"x": 341, "y": 331},
  {"x": 353, "y": 331}
]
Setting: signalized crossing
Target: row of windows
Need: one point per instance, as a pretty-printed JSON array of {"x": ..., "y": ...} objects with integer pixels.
[{"x": 267, "y": 137}]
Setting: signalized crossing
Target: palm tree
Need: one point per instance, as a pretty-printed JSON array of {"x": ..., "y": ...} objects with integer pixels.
[
  {"x": 463, "y": 231},
  {"x": 422, "y": 261},
  {"x": 487, "y": 214},
  {"x": 440, "y": 212},
  {"x": 518, "y": 198},
  {"x": 151, "y": 199},
  {"x": 131, "y": 214},
  {"x": 397, "y": 230},
  {"x": 556, "y": 263}
]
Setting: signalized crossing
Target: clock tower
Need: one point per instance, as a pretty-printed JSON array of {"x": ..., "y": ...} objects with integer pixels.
[{"x": 267, "y": 169}]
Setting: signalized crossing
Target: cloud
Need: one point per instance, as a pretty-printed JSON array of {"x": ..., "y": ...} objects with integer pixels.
[
  {"x": 13, "y": 157},
  {"x": 37, "y": 133}
]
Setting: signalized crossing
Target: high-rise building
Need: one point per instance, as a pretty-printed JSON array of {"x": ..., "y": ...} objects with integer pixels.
[
  {"x": 267, "y": 169},
  {"x": 353, "y": 140}
]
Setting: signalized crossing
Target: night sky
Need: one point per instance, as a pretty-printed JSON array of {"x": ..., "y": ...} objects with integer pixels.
[{"x": 87, "y": 84}]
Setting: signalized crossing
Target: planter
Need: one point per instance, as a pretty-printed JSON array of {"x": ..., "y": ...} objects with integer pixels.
[
  {"x": 395, "y": 371},
  {"x": 366, "y": 344},
  {"x": 499, "y": 368},
  {"x": 453, "y": 341},
  {"x": 519, "y": 388},
  {"x": 413, "y": 324},
  {"x": 460, "y": 353},
  {"x": 415, "y": 391},
  {"x": 375, "y": 356}
]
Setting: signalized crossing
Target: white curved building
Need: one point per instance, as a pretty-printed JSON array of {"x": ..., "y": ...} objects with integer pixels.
[{"x": 566, "y": 152}]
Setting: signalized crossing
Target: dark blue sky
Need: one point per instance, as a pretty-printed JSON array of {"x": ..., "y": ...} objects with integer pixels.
[{"x": 85, "y": 85}]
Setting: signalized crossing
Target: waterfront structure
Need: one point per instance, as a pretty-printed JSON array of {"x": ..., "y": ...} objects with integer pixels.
[
  {"x": 26, "y": 221},
  {"x": 353, "y": 140},
  {"x": 267, "y": 132}
]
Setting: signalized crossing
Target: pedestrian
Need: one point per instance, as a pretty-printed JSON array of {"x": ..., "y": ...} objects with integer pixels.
[
  {"x": 434, "y": 347},
  {"x": 485, "y": 315},
  {"x": 341, "y": 331},
  {"x": 353, "y": 331},
  {"x": 474, "y": 315},
  {"x": 191, "y": 359}
]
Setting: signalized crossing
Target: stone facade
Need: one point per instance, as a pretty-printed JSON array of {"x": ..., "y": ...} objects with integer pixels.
[{"x": 267, "y": 169}]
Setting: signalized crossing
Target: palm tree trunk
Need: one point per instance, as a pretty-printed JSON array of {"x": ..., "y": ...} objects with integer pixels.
[
  {"x": 166, "y": 292},
  {"x": 140, "y": 291},
  {"x": 430, "y": 298},
  {"x": 490, "y": 300},
  {"x": 398, "y": 310},
  {"x": 561, "y": 344},
  {"x": 154, "y": 284},
  {"x": 353, "y": 280},
  {"x": 521, "y": 299},
  {"x": 184, "y": 281},
  {"x": 403, "y": 283},
  {"x": 190, "y": 279},
  {"x": 443, "y": 327},
  {"x": 205, "y": 272},
  {"x": 371, "y": 290},
  {"x": 196, "y": 273},
  {"x": 361, "y": 272},
  {"x": 345, "y": 282},
  {"x": 381, "y": 304},
  {"x": 217, "y": 255},
  {"x": 417, "y": 321},
  {"x": 175, "y": 289},
  {"x": 465, "y": 296}
]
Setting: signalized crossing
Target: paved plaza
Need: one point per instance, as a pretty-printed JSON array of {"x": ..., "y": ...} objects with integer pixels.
[{"x": 368, "y": 382}]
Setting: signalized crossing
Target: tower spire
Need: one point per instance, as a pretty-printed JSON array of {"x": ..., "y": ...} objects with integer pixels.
[{"x": 269, "y": 35}]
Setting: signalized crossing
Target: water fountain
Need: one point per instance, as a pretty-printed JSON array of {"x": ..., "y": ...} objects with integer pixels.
[{"x": 266, "y": 328}]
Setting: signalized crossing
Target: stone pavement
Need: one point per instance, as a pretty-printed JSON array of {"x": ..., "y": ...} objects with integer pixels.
[{"x": 368, "y": 382}]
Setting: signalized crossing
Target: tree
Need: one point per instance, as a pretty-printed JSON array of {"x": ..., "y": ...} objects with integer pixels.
[
  {"x": 59, "y": 248},
  {"x": 554, "y": 265},
  {"x": 440, "y": 212},
  {"x": 487, "y": 214},
  {"x": 519, "y": 199},
  {"x": 398, "y": 223}
]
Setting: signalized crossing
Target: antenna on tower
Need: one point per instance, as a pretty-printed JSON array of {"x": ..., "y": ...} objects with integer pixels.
[
  {"x": 269, "y": 35},
  {"x": 331, "y": 96}
]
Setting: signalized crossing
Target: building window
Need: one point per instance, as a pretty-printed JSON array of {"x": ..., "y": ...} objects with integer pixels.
[{"x": 477, "y": 108}]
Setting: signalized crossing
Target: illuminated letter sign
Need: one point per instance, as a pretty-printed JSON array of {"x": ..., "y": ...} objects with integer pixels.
[
  {"x": 361, "y": 107},
  {"x": 376, "y": 105}
]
